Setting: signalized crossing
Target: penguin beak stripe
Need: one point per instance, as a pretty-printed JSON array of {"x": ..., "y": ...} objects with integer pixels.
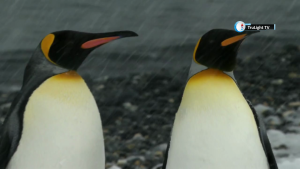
[
  {"x": 96, "y": 42},
  {"x": 232, "y": 40}
]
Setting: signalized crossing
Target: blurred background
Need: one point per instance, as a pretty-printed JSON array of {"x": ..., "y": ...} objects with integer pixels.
[{"x": 138, "y": 82}]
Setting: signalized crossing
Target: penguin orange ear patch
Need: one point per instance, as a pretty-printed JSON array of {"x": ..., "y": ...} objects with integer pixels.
[
  {"x": 46, "y": 44},
  {"x": 195, "y": 50},
  {"x": 97, "y": 42},
  {"x": 232, "y": 40}
]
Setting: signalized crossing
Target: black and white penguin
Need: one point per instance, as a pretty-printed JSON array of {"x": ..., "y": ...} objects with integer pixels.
[
  {"x": 54, "y": 122},
  {"x": 215, "y": 126}
]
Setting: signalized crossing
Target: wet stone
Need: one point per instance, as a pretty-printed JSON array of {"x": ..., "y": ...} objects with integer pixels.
[
  {"x": 273, "y": 121},
  {"x": 277, "y": 82}
]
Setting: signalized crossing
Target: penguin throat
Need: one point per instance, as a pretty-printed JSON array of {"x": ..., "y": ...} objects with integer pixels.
[
  {"x": 70, "y": 75},
  {"x": 196, "y": 68},
  {"x": 208, "y": 73},
  {"x": 224, "y": 61}
]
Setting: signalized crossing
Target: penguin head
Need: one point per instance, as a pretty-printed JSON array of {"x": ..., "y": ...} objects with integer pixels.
[
  {"x": 68, "y": 49},
  {"x": 218, "y": 48}
]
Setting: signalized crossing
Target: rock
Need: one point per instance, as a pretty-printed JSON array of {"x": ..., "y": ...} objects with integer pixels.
[
  {"x": 294, "y": 104},
  {"x": 111, "y": 157},
  {"x": 4, "y": 95},
  {"x": 156, "y": 91},
  {"x": 136, "y": 161},
  {"x": 294, "y": 75},
  {"x": 277, "y": 82},
  {"x": 122, "y": 162},
  {"x": 281, "y": 108},
  {"x": 15, "y": 88},
  {"x": 276, "y": 137},
  {"x": 273, "y": 121},
  {"x": 293, "y": 129},
  {"x": 165, "y": 82},
  {"x": 292, "y": 96},
  {"x": 134, "y": 158},
  {"x": 137, "y": 77},
  {"x": 158, "y": 166},
  {"x": 159, "y": 154},
  {"x": 291, "y": 117},
  {"x": 138, "y": 136},
  {"x": 100, "y": 87},
  {"x": 5, "y": 106},
  {"x": 140, "y": 167},
  {"x": 171, "y": 100},
  {"x": 288, "y": 114},
  {"x": 2, "y": 120},
  {"x": 160, "y": 147},
  {"x": 114, "y": 167},
  {"x": 130, "y": 107},
  {"x": 261, "y": 109}
]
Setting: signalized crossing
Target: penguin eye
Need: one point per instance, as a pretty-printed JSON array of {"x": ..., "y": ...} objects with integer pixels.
[{"x": 46, "y": 44}]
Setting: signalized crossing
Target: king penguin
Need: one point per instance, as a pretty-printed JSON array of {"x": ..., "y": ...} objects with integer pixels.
[
  {"x": 54, "y": 122},
  {"x": 215, "y": 126}
]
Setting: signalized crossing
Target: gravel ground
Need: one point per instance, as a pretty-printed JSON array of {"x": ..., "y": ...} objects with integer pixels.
[{"x": 138, "y": 110}]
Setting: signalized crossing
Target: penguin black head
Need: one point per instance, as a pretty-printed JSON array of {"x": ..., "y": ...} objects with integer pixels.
[
  {"x": 218, "y": 48},
  {"x": 68, "y": 49}
]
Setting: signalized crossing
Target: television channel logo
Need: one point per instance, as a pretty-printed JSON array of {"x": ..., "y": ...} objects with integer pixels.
[{"x": 239, "y": 26}]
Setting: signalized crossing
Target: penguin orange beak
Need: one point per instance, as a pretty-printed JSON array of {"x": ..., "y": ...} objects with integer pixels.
[
  {"x": 237, "y": 38},
  {"x": 97, "y": 42},
  {"x": 98, "y": 39}
]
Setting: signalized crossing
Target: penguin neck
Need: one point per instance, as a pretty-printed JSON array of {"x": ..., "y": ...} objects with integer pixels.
[
  {"x": 196, "y": 68},
  {"x": 207, "y": 76},
  {"x": 208, "y": 83},
  {"x": 70, "y": 75}
]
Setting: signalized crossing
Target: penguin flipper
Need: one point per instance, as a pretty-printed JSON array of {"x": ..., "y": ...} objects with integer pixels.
[
  {"x": 264, "y": 139},
  {"x": 11, "y": 129},
  {"x": 5, "y": 145},
  {"x": 166, "y": 157}
]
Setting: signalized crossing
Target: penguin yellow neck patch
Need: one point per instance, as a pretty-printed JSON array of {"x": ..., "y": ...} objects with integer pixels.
[
  {"x": 70, "y": 75},
  {"x": 46, "y": 44},
  {"x": 232, "y": 40},
  {"x": 195, "y": 50},
  {"x": 213, "y": 73}
]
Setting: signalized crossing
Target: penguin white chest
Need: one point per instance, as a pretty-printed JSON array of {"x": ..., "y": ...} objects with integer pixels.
[
  {"x": 62, "y": 128},
  {"x": 214, "y": 127}
]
